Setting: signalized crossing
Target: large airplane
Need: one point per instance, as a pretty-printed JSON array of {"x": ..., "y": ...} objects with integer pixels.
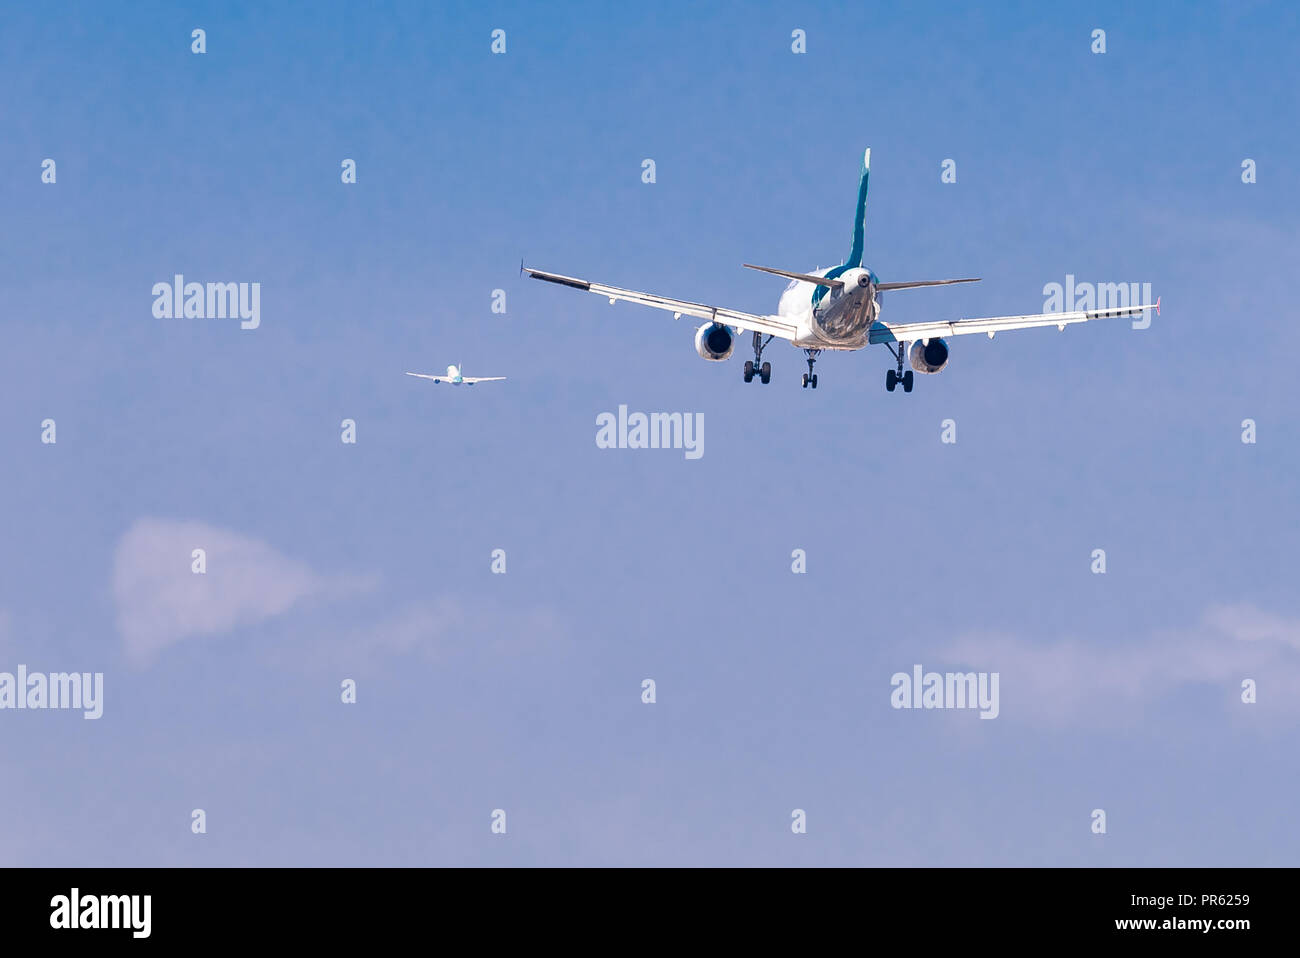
[
  {"x": 456, "y": 379},
  {"x": 836, "y": 309}
]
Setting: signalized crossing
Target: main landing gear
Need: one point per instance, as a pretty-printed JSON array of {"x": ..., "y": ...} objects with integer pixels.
[
  {"x": 808, "y": 378},
  {"x": 894, "y": 377},
  {"x": 764, "y": 371}
]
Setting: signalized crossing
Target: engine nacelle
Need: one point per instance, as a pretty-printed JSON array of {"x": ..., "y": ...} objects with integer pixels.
[
  {"x": 715, "y": 342},
  {"x": 928, "y": 357}
]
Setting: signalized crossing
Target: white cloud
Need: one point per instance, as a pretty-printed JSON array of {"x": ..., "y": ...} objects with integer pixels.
[
  {"x": 1248, "y": 624},
  {"x": 160, "y": 601},
  {"x": 438, "y": 628},
  {"x": 1061, "y": 680}
]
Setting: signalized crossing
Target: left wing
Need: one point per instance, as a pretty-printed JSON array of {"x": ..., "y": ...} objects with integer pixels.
[
  {"x": 769, "y": 325},
  {"x": 436, "y": 379},
  {"x": 906, "y": 332}
]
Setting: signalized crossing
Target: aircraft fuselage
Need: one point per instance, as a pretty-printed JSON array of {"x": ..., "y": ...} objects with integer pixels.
[{"x": 838, "y": 319}]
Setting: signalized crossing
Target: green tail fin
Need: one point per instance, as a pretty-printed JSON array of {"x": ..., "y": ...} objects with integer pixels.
[{"x": 860, "y": 216}]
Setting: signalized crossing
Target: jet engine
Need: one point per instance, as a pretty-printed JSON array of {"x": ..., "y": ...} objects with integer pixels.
[
  {"x": 928, "y": 357},
  {"x": 715, "y": 342}
]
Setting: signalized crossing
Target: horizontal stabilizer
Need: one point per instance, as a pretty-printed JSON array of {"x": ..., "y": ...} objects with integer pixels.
[
  {"x": 801, "y": 277},
  {"x": 925, "y": 282}
]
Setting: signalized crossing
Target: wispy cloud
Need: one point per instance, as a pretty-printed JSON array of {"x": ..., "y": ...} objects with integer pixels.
[
  {"x": 160, "y": 600},
  {"x": 1101, "y": 680},
  {"x": 440, "y": 629},
  {"x": 1245, "y": 623}
]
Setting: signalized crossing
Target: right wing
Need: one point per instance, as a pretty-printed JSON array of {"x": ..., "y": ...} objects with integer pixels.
[
  {"x": 768, "y": 325},
  {"x": 471, "y": 380},
  {"x": 436, "y": 379},
  {"x": 883, "y": 332}
]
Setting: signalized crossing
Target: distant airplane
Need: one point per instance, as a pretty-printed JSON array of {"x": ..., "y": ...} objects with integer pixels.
[
  {"x": 835, "y": 309},
  {"x": 456, "y": 379}
]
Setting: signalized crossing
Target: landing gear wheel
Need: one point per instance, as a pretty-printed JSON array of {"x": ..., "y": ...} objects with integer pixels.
[
  {"x": 907, "y": 381},
  {"x": 808, "y": 378},
  {"x": 891, "y": 380},
  {"x": 757, "y": 367}
]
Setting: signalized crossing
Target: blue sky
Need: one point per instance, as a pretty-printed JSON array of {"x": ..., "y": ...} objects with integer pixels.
[{"x": 523, "y": 691}]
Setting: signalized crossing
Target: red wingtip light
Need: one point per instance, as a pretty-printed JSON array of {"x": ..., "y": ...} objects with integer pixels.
[{"x": 1157, "y": 305}]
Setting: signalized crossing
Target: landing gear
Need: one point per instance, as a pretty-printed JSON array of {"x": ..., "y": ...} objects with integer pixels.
[
  {"x": 809, "y": 379},
  {"x": 892, "y": 379},
  {"x": 895, "y": 376},
  {"x": 758, "y": 367}
]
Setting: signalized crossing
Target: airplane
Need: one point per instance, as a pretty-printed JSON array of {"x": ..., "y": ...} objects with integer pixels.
[
  {"x": 835, "y": 310},
  {"x": 456, "y": 379}
]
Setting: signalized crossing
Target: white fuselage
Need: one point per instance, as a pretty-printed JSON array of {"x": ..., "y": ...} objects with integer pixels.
[{"x": 840, "y": 319}]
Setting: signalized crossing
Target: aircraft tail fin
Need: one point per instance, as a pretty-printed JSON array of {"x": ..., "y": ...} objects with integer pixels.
[{"x": 860, "y": 215}]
